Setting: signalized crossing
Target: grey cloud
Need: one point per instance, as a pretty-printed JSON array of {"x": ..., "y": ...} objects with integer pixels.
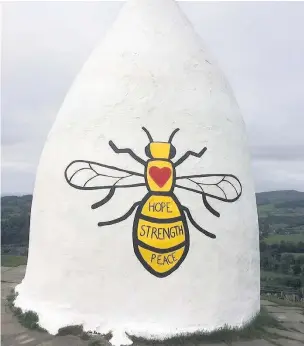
[
  {"x": 44, "y": 45},
  {"x": 279, "y": 153},
  {"x": 269, "y": 175},
  {"x": 12, "y": 184}
]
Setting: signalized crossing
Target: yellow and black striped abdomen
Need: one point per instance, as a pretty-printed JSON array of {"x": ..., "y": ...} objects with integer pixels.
[{"x": 160, "y": 234}]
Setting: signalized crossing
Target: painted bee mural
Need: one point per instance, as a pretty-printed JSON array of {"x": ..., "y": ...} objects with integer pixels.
[{"x": 160, "y": 230}]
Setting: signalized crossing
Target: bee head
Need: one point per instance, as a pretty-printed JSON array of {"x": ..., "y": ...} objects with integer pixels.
[{"x": 160, "y": 150}]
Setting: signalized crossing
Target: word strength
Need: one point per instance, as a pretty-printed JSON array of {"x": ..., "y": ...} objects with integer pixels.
[{"x": 161, "y": 232}]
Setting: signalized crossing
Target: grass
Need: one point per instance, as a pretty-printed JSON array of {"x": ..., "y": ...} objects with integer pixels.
[
  {"x": 295, "y": 254},
  {"x": 70, "y": 330},
  {"x": 265, "y": 209},
  {"x": 76, "y": 330},
  {"x": 253, "y": 330},
  {"x": 273, "y": 275},
  {"x": 13, "y": 261},
  {"x": 28, "y": 319},
  {"x": 94, "y": 338},
  {"x": 277, "y": 238}
]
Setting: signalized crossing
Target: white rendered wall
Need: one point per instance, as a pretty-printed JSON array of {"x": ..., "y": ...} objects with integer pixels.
[{"x": 151, "y": 70}]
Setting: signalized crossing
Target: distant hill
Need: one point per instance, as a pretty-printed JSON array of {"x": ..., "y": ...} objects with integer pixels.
[{"x": 279, "y": 196}]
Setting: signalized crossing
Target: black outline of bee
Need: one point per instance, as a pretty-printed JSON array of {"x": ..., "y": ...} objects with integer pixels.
[{"x": 122, "y": 182}]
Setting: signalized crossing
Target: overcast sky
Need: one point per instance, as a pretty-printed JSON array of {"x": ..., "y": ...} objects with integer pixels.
[{"x": 259, "y": 46}]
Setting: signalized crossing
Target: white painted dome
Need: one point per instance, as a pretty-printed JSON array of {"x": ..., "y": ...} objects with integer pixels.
[{"x": 151, "y": 71}]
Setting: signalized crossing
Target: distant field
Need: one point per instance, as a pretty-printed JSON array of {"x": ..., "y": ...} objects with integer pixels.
[
  {"x": 273, "y": 275},
  {"x": 271, "y": 209},
  {"x": 295, "y": 254},
  {"x": 298, "y": 228},
  {"x": 277, "y": 238},
  {"x": 265, "y": 209},
  {"x": 13, "y": 261}
]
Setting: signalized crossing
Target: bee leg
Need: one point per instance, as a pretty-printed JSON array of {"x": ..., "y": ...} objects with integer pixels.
[
  {"x": 104, "y": 200},
  {"x": 208, "y": 206},
  {"x": 197, "y": 226},
  {"x": 187, "y": 154},
  {"x": 127, "y": 151},
  {"x": 122, "y": 218}
]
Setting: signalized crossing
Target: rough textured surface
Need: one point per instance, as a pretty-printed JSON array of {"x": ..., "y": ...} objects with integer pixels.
[
  {"x": 152, "y": 70},
  {"x": 4, "y": 269},
  {"x": 267, "y": 303},
  {"x": 286, "y": 334},
  {"x": 68, "y": 340},
  {"x": 14, "y": 334},
  {"x": 252, "y": 343},
  {"x": 13, "y": 276},
  {"x": 286, "y": 342},
  {"x": 289, "y": 315},
  {"x": 294, "y": 326}
]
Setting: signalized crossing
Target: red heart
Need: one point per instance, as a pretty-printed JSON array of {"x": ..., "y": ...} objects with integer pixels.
[{"x": 160, "y": 175}]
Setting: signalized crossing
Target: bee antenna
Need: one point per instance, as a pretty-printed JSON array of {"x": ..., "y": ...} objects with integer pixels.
[
  {"x": 172, "y": 135},
  {"x": 148, "y": 134}
]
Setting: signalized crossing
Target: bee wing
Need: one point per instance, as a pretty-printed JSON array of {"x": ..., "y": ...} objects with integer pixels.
[
  {"x": 89, "y": 175},
  {"x": 224, "y": 187}
]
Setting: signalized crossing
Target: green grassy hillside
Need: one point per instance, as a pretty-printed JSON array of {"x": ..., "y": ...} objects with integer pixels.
[
  {"x": 15, "y": 221},
  {"x": 277, "y": 238},
  {"x": 281, "y": 221}
]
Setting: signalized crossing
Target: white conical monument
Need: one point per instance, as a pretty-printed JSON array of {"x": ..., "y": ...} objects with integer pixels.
[{"x": 137, "y": 226}]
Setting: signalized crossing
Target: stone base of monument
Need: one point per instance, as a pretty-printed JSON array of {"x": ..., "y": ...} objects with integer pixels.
[{"x": 289, "y": 332}]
